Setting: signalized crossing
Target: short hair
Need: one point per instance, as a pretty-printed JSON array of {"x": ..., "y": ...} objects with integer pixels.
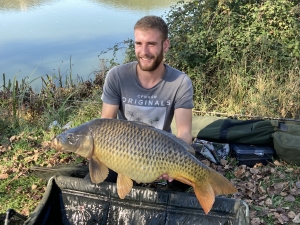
[{"x": 153, "y": 22}]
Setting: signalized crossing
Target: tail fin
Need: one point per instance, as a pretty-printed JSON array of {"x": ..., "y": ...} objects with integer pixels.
[{"x": 206, "y": 191}]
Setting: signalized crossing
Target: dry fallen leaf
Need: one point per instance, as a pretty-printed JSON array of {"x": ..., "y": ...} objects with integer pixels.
[
  {"x": 297, "y": 218},
  {"x": 279, "y": 187},
  {"x": 261, "y": 190},
  {"x": 25, "y": 211},
  {"x": 289, "y": 198},
  {"x": 255, "y": 221},
  {"x": 3, "y": 176},
  {"x": 240, "y": 172},
  {"x": 298, "y": 184},
  {"x": 277, "y": 163},
  {"x": 254, "y": 170},
  {"x": 268, "y": 202},
  {"x": 223, "y": 162},
  {"x": 291, "y": 214}
]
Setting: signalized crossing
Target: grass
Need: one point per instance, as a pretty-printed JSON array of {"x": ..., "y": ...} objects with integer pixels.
[
  {"x": 25, "y": 135},
  {"x": 265, "y": 93}
]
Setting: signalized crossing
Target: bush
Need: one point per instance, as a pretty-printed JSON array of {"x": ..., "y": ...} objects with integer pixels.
[{"x": 230, "y": 47}]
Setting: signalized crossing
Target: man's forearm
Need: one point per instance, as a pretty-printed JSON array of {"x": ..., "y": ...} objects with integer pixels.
[{"x": 188, "y": 139}]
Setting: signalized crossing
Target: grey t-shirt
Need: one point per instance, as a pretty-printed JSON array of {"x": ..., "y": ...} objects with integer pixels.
[{"x": 154, "y": 106}]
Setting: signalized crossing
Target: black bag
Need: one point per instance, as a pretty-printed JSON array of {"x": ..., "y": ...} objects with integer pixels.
[
  {"x": 251, "y": 155},
  {"x": 71, "y": 200}
]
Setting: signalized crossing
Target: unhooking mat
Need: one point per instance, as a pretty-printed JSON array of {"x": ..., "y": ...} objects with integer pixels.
[{"x": 70, "y": 200}]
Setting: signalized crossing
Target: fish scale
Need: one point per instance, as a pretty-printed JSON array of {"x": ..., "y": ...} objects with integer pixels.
[
  {"x": 140, "y": 152},
  {"x": 155, "y": 147}
]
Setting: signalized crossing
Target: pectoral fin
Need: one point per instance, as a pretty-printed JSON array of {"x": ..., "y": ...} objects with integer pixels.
[
  {"x": 98, "y": 171},
  {"x": 124, "y": 185}
]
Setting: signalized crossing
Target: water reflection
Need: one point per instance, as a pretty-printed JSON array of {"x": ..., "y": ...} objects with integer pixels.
[
  {"x": 39, "y": 37},
  {"x": 137, "y": 4},
  {"x": 24, "y": 5}
]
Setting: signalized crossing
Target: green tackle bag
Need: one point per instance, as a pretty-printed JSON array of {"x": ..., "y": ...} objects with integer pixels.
[
  {"x": 287, "y": 143},
  {"x": 225, "y": 130}
]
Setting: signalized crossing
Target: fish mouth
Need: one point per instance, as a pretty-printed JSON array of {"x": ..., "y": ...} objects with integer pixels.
[{"x": 55, "y": 144}]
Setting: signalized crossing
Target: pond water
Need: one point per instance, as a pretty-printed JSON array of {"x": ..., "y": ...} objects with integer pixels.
[{"x": 40, "y": 37}]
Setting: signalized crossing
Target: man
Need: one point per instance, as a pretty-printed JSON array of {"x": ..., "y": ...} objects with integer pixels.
[{"x": 148, "y": 90}]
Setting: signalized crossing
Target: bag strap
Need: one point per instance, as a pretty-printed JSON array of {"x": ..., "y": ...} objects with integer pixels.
[{"x": 228, "y": 124}]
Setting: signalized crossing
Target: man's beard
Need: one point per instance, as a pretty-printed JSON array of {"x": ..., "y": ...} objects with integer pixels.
[{"x": 154, "y": 65}]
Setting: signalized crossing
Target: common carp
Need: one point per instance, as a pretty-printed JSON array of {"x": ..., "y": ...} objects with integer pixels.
[{"x": 140, "y": 152}]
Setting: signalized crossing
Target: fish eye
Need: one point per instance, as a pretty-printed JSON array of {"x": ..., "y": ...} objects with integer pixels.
[{"x": 70, "y": 136}]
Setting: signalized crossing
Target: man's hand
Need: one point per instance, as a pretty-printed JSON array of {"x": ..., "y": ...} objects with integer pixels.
[{"x": 166, "y": 177}]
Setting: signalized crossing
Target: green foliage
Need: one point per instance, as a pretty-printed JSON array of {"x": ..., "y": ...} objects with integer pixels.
[
  {"x": 225, "y": 46},
  {"x": 216, "y": 34},
  {"x": 128, "y": 45},
  {"x": 129, "y": 53}
]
